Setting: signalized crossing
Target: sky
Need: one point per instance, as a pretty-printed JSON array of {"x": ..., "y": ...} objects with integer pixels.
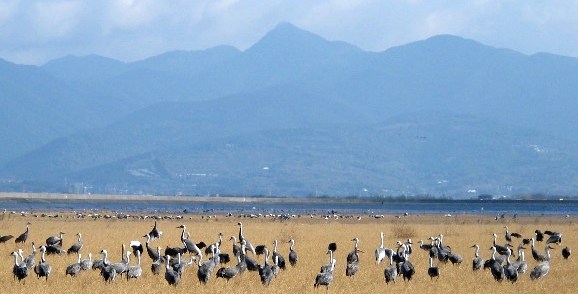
[{"x": 36, "y": 31}]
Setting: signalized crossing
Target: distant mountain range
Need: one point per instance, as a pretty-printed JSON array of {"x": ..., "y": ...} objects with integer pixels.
[{"x": 295, "y": 115}]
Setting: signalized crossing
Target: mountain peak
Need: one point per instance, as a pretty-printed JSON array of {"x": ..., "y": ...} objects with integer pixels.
[{"x": 289, "y": 39}]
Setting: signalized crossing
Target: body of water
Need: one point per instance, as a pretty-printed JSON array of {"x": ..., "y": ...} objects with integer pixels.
[{"x": 565, "y": 207}]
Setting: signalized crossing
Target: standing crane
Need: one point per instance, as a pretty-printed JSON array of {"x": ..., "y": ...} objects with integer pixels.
[{"x": 24, "y": 236}]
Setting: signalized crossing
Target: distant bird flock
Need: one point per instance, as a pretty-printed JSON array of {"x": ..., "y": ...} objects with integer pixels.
[{"x": 211, "y": 262}]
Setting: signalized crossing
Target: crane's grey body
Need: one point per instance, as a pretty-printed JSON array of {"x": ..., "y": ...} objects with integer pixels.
[
  {"x": 75, "y": 248},
  {"x": 134, "y": 271},
  {"x": 171, "y": 276},
  {"x": 107, "y": 271},
  {"x": 24, "y": 236},
  {"x": 265, "y": 271},
  {"x": 293, "y": 257},
  {"x": 433, "y": 271},
  {"x": 390, "y": 272},
  {"x": 325, "y": 278},
  {"x": 43, "y": 268},
  {"x": 73, "y": 269},
  {"x": 477, "y": 262},
  {"x": 20, "y": 270}
]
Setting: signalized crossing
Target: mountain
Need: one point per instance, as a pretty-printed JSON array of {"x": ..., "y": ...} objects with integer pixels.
[
  {"x": 296, "y": 114},
  {"x": 83, "y": 68}
]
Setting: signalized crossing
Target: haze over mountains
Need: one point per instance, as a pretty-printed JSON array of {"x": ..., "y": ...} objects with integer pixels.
[{"x": 295, "y": 115}]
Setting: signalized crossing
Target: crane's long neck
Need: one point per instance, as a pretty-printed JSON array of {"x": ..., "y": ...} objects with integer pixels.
[
  {"x": 169, "y": 263},
  {"x": 508, "y": 257},
  {"x": 330, "y": 256},
  {"x": 79, "y": 258},
  {"x": 356, "y": 241},
  {"x": 292, "y": 244},
  {"x": 42, "y": 258},
  {"x": 390, "y": 259},
  {"x": 430, "y": 262},
  {"x": 477, "y": 251},
  {"x": 495, "y": 237},
  {"x": 79, "y": 237},
  {"x": 533, "y": 243},
  {"x": 547, "y": 252},
  {"x": 183, "y": 233},
  {"x": 266, "y": 255},
  {"x": 522, "y": 255},
  {"x": 493, "y": 253},
  {"x": 15, "y": 258},
  {"x": 275, "y": 246},
  {"x": 241, "y": 231},
  {"x": 381, "y": 246}
]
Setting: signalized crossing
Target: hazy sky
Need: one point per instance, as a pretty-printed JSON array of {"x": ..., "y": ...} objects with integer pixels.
[{"x": 34, "y": 31}]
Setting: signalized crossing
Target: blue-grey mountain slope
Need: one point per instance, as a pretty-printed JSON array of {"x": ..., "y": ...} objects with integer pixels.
[{"x": 295, "y": 97}]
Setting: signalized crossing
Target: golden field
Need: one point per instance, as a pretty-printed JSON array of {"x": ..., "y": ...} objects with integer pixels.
[{"x": 311, "y": 235}]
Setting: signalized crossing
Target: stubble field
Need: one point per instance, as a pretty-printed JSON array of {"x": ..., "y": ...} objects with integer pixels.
[{"x": 311, "y": 235}]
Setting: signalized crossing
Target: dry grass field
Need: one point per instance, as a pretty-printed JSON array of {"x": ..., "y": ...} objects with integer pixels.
[{"x": 312, "y": 237}]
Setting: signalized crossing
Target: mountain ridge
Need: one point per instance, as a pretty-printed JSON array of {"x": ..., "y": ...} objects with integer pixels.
[{"x": 162, "y": 112}]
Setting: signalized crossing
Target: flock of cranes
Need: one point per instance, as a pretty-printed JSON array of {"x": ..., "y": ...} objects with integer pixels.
[{"x": 212, "y": 261}]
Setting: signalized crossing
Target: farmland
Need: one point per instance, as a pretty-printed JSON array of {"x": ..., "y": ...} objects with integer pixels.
[{"x": 311, "y": 234}]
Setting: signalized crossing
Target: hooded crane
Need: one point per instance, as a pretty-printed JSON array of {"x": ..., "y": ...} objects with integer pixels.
[
  {"x": 43, "y": 268},
  {"x": 502, "y": 250},
  {"x": 510, "y": 271},
  {"x": 74, "y": 268},
  {"x": 236, "y": 248},
  {"x": 24, "y": 236},
  {"x": 276, "y": 256},
  {"x": 77, "y": 246},
  {"x": 353, "y": 256},
  {"x": 508, "y": 236},
  {"x": 55, "y": 240},
  {"x": 19, "y": 270},
  {"x": 171, "y": 275},
  {"x": 293, "y": 258},
  {"x": 542, "y": 269},
  {"x": 155, "y": 233},
  {"x": 353, "y": 260},
  {"x": 477, "y": 262},
  {"x": 566, "y": 252},
  {"x": 539, "y": 235},
  {"x": 433, "y": 271},
  {"x": 325, "y": 278},
  {"x": 539, "y": 257},
  {"x": 156, "y": 266},
  {"x": 406, "y": 268},
  {"x": 495, "y": 267},
  {"x": 265, "y": 271},
  {"x": 134, "y": 271},
  {"x": 248, "y": 244},
  {"x": 380, "y": 251},
  {"x": 29, "y": 260},
  {"x": 107, "y": 271},
  {"x": 87, "y": 263},
  {"x": 190, "y": 245},
  {"x": 554, "y": 237},
  {"x": 252, "y": 265},
  {"x": 150, "y": 251},
  {"x": 390, "y": 272},
  {"x": 228, "y": 273},
  {"x": 206, "y": 269},
  {"x": 520, "y": 264}
]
